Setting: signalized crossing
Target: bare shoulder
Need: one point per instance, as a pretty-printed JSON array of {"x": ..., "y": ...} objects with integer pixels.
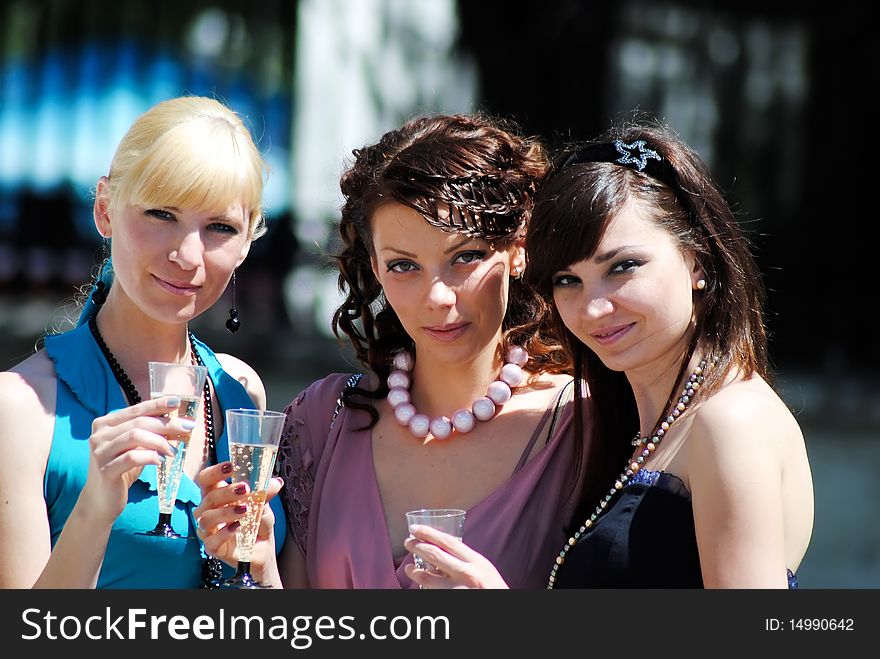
[
  {"x": 550, "y": 382},
  {"x": 544, "y": 388},
  {"x": 27, "y": 405},
  {"x": 246, "y": 375},
  {"x": 745, "y": 420},
  {"x": 29, "y": 383},
  {"x": 747, "y": 406}
]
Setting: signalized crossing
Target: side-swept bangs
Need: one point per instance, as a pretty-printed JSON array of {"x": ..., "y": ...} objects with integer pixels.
[{"x": 202, "y": 163}]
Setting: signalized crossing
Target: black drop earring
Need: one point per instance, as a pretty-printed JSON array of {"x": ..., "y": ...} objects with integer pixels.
[
  {"x": 99, "y": 295},
  {"x": 233, "y": 323}
]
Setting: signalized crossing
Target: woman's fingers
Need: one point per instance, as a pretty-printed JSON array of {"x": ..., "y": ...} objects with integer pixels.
[
  {"x": 222, "y": 503},
  {"x": 275, "y": 485},
  {"x": 267, "y": 520},
  {"x": 129, "y": 460},
  {"x": 155, "y": 408},
  {"x": 454, "y": 564},
  {"x": 211, "y": 520},
  {"x": 171, "y": 427},
  {"x": 106, "y": 450},
  {"x": 217, "y": 493},
  {"x": 219, "y": 516},
  {"x": 219, "y": 508},
  {"x": 146, "y": 425},
  {"x": 214, "y": 476},
  {"x": 444, "y": 540},
  {"x": 428, "y": 579},
  {"x": 219, "y": 541},
  {"x": 217, "y": 505},
  {"x": 109, "y": 442},
  {"x": 436, "y": 556}
]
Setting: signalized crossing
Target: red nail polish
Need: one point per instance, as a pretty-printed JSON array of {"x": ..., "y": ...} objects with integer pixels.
[
  {"x": 240, "y": 510},
  {"x": 226, "y": 468},
  {"x": 240, "y": 489}
]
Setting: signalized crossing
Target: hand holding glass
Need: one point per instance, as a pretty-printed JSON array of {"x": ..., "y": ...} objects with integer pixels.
[
  {"x": 187, "y": 382},
  {"x": 253, "y": 443},
  {"x": 448, "y": 520}
]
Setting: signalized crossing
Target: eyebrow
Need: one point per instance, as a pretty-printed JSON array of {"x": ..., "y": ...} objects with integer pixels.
[
  {"x": 604, "y": 257},
  {"x": 458, "y": 245},
  {"x": 221, "y": 217},
  {"x": 454, "y": 247}
]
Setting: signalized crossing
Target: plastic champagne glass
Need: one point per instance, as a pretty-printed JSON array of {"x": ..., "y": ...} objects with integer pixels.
[
  {"x": 186, "y": 381},
  {"x": 253, "y": 437},
  {"x": 448, "y": 520}
]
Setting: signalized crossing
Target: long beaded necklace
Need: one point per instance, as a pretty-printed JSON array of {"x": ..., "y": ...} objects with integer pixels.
[
  {"x": 134, "y": 397},
  {"x": 648, "y": 446},
  {"x": 212, "y": 568},
  {"x": 463, "y": 420}
]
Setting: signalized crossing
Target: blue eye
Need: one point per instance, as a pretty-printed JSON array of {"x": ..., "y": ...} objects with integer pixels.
[
  {"x": 401, "y": 266},
  {"x": 470, "y": 257},
  {"x": 221, "y": 227},
  {"x": 159, "y": 214}
]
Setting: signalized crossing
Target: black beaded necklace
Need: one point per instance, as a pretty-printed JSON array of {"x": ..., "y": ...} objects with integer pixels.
[
  {"x": 212, "y": 568},
  {"x": 133, "y": 397}
]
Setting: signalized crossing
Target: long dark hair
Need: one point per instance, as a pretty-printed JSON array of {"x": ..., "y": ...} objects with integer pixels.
[
  {"x": 485, "y": 174},
  {"x": 577, "y": 201}
]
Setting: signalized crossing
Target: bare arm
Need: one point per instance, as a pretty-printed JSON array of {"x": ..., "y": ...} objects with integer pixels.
[
  {"x": 27, "y": 406},
  {"x": 734, "y": 465},
  {"x": 121, "y": 443},
  {"x": 247, "y": 376}
]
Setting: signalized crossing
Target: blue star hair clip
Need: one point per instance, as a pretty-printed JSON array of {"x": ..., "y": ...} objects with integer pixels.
[{"x": 635, "y": 154}]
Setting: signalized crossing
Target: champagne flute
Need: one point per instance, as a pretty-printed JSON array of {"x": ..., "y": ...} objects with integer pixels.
[
  {"x": 253, "y": 444},
  {"x": 187, "y": 382}
]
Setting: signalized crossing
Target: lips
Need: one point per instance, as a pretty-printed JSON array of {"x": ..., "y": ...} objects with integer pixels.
[
  {"x": 176, "y": 287},
  {"x": 610, "y": 335},
  {"x": 446, "y": 332}
]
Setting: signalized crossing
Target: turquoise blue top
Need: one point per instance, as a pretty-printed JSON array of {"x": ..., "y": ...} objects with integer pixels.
[{"x": 87, "y": 389}]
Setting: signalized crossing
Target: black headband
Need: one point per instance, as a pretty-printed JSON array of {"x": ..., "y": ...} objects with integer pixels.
[{"x": 635, "y": 155}]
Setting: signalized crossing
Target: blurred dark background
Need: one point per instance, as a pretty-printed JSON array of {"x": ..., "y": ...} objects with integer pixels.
[{"x": 773, "y": 95}]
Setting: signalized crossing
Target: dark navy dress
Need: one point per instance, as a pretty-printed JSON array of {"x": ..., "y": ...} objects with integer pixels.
[{"x": 646, "y": 539}]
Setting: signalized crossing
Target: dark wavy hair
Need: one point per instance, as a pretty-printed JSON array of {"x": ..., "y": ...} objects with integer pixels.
[
  {"x": 467, "y": 174},
  {"x": 577, "y": 201}
]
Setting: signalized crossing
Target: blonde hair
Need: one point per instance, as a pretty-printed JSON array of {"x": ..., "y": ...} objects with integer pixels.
[{"x": 189, "y": 152}]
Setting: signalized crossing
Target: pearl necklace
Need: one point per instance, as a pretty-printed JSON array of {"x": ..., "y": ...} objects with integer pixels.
[
  {"x": 648, "y": 446},
  {"x": 463, "y": 420}
]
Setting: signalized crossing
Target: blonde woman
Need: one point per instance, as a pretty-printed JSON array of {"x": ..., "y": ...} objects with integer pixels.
[{"x": 80, "y": 435}]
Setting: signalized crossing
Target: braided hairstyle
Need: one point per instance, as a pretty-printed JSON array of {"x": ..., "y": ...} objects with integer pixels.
[{"x": 465, "y": 174}]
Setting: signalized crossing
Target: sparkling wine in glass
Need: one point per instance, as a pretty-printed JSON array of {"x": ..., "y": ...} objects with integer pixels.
[
  {"x": 253, "y": 443},
  {"x": 187, "y": 382}
]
